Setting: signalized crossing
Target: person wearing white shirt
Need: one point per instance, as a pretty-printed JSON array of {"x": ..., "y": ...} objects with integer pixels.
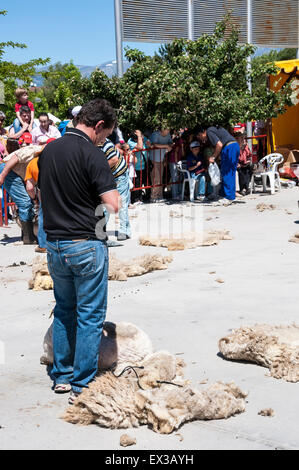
[{"x": 44, "y": 130}]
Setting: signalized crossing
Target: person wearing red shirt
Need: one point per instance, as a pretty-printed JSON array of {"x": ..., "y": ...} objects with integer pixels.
[{"x": 22, "y": 97}]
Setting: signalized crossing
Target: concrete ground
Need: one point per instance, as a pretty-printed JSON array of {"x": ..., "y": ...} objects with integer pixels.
[{"x": 183, "y": 309}]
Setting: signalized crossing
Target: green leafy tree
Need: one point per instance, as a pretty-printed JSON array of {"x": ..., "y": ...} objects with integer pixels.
[
  {"x": 11, "y": 74},
  {"x": 202, "y": 81},
  {"x": 60, "y": 83}
]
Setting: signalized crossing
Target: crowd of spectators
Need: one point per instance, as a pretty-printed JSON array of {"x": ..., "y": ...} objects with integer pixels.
[{"x": 144, "y": 164}]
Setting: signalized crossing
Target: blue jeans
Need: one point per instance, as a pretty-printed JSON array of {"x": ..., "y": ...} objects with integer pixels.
[
  {"x": 17, "y": 125},
  {"x": 201, "y": 179},
  {"x": 15, "y": 187},
  {"x": 80, "y": 274},
  {"x": 41, "y": 234},
  {"x": 122, "y": 186}
]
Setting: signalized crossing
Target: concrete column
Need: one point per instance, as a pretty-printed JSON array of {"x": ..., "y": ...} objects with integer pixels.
[
  {"x": 118, "y": 36},
  {"x": 249, "y": 40},
  {"x": 191, "y": 20}
]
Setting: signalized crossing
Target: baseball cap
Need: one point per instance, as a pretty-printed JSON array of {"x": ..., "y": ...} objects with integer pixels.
[
  {"x": 194, "y": 144},
  {"x": 26, "y": 137}
]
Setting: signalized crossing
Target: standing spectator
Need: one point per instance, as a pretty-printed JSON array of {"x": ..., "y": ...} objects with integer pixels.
[
  {"x": 31, "y": 179},
  {"x": 260, "y": 128},
  {"x": 226, "y": 146},
  {"x": 176, "y": 155},
  {"x": 44, "y": 131},
  {"x": 138, "y": 141},
  {"x": 3, "y": 131},
  {"x": 120, "y": 172},
  {"x": 12, "y": 177},
  {"x": 74, "y": 180},
  {"x": 75, "y": 111},
  {"x": 22, "y": 97},
  {"x": 25, "y": 114},
  {"x": 196, "y": 167},
  {"x": 162, "y": 142}
]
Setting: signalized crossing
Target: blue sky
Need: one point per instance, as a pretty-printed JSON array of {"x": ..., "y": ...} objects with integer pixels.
[{"x": 82, "y": 31}]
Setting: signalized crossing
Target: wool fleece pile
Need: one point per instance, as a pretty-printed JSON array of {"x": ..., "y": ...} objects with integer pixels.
[
  {"x": 118, "y": 270},
  {"x": 137, "y": 386},
  {"x": 275, "y": 347},
  {"x": 187, "y": 240}
]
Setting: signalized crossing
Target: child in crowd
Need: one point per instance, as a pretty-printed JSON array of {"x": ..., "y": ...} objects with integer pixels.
[
  {"x": 22, "y": 97},
  {"x": 131, "y": 160},
  {"x": 197, "y": 169}
]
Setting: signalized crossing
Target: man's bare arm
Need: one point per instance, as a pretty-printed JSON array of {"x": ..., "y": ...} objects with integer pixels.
[
  {"x": 8, "y": 166},
  {"x": 16, "y": 135},
  {"x": 30, "y": 188},
  {"x": 217, "y": 151},
  {"x": 111, "y": 201}
]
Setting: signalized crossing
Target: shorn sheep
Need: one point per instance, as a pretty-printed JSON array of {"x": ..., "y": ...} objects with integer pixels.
[
  {"x": 187, "y": 240},
  {"x": 118, "y": 270},
  {"x": 275, "y": 347},
  {"x": 121, "y": 344},
  {"x": 136, "y": 386}
]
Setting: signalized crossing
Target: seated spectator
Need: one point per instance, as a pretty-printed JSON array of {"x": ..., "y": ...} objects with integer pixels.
[
  {"x": 244, "y": 167},
  {"x": 138, "y": 141},
  {"x": 162, "y": 142},
  {"x": 44, "y": 131},
  {"x": 15, "y": 132},
  {"x": 196, "y": 167},
  {"x": 22, "y": 97}
]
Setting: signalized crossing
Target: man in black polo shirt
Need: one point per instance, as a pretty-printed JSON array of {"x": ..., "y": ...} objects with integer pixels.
[
  {"x": 225, "y": 145},
  {"x": 74, "y": 179}
]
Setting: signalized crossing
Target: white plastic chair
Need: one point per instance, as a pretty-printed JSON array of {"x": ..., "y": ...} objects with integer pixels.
[
  {"x": 272, "y": 161},
  {"x": 182, "y": 167}
]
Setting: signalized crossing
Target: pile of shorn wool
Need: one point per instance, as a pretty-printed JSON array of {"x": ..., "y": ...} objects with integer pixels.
[
  {"x": 118, "y": 270},
  {"x": 275, "y": 347},
  {"x": 137, "y": 386},
  {"x": 187, "y": 240}
]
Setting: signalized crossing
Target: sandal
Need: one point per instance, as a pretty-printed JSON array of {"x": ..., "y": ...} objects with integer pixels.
[
  {"x": 62, "y": 388},
  {"x": 72, "y": 397}
]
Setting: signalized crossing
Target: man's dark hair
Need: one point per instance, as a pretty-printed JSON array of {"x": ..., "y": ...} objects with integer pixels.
[
  {"x": 43, "y": 114},
  {"x": 200, "y": 129},
  {"x": 69, "y": 114},
  {"x": 25, "y": 109},
  {"x": 95, "y": 111}
]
